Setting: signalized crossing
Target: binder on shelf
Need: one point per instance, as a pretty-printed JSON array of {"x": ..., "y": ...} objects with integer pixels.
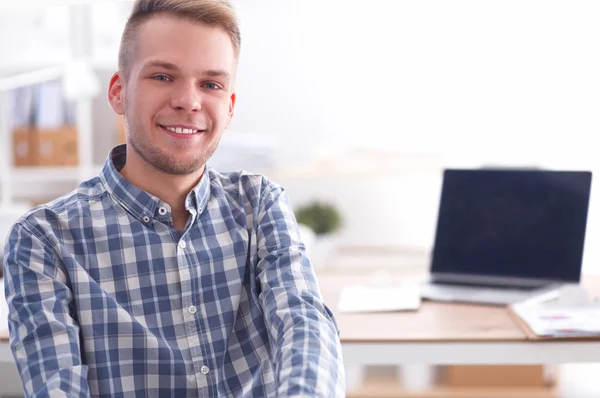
[
  {"x": 44, "y": 132},
  {"x": 46, "y": 147}
]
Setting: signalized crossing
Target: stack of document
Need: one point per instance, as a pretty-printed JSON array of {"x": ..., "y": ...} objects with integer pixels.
[
  {"x": 561, "y": 322},
  {"x": 572, "y": 314},
  {"x": 380, "y": 298}
]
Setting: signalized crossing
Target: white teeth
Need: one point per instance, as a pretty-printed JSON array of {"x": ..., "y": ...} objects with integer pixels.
[{"x": 179, "y": 130}]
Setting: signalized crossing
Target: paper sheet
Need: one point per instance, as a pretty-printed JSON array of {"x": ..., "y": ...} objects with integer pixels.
[{"x": 399, "y": 297}]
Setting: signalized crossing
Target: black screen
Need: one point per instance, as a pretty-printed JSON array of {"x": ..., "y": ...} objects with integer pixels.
[{"x": 512, "y": 223}]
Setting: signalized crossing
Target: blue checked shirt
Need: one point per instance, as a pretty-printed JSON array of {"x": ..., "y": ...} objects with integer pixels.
[{"x": 107, "y": 299}]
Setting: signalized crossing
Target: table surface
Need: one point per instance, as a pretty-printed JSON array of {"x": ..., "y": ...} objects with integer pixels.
[{"x": 434, "y": 322}]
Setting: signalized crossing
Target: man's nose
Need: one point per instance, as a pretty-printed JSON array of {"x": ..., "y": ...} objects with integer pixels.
[{"x": 187, "y": 98}]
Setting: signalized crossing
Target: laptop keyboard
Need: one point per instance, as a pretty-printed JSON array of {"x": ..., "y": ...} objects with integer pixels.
[
  {"x": 485, "y": 286},
  {"x": 474, "y": 294}
]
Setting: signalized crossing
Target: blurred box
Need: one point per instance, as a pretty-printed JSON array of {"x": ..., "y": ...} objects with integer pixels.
[
  {"x": 45, "y": 147},
  {"x": 494, "y": 376},
  {"x": 24, "y": 147},
  {"x": 57, "y": 147}
]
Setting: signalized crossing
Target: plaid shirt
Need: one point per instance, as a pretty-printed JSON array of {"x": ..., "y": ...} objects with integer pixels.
[{"x": 107, "y": 299}]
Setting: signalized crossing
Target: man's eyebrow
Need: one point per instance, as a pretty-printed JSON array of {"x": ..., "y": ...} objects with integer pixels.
[
  {"x": 160, "y": 64},
  {"x": 216, "y": 73}
]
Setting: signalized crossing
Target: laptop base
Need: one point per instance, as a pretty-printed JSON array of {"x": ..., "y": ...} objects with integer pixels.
[{"x": 488, "y": 295}]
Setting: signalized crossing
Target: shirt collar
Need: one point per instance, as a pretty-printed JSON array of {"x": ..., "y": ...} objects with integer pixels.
[{"x": 140, "y": 203}]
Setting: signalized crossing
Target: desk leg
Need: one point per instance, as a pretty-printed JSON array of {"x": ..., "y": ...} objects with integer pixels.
[
  {"x": 354, "y": 377},
  {"x": 416, "y": 378}
]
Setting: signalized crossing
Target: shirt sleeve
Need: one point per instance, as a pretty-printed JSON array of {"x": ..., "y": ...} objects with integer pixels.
[
  {"x": 304, "y": 336},
  {"x": 44, "y": 337}
]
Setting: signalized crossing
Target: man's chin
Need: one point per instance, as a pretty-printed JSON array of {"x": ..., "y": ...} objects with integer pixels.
[
  {"x": 177, "y": 164},
  {"x": 179, "y": 168}
]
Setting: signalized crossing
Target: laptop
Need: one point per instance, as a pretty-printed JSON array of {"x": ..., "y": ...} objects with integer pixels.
[{"x": 506, "y": 235}]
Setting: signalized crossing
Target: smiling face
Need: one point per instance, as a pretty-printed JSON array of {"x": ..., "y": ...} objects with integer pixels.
[{"x": 178, "y": 97}]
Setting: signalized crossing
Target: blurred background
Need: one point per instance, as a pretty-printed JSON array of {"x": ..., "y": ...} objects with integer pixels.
[
  {"x": 359, "y": 106},
  {"x": 354, "y": 107}
]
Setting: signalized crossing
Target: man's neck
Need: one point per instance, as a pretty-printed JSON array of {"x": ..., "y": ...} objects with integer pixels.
[{"x": 171, "y": 189}]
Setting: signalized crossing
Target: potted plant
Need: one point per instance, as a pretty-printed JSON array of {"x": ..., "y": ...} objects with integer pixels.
[{"x": 318, "y": 221}]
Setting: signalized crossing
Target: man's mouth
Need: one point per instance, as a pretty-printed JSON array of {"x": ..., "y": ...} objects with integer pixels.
[{"x": 183, "y": 130}]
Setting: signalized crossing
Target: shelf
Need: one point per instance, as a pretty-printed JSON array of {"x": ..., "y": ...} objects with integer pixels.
[
  {"x": 351, "y": 171},
  {"x": 39, "y": 174},
  {"x": 13, "y": 81}
]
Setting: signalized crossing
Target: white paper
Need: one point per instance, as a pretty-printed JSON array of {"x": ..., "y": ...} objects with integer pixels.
[{"x": 400, "y": 297}]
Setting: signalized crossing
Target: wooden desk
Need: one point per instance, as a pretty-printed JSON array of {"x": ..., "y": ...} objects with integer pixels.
[
  {"x": 433, "y": 322},
  {"x": 439, "y": 333},
  {"x": 444, "y": 334}
]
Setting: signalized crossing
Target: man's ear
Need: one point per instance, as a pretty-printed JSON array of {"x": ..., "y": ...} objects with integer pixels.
[
  {"x": 115, "y": 93},
  {"x": 231, "y": 109}
]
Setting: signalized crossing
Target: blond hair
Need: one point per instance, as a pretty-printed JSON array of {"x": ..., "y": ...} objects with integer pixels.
[{"x": 210, "y": 12}]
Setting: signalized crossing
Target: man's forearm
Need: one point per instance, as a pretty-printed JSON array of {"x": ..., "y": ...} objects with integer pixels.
[
  {"x": 44, "y": 337},
  {"x": 306, "y": 350},
  {"x": 305, "y": 345},
  {"x": 71, "y": 383}
]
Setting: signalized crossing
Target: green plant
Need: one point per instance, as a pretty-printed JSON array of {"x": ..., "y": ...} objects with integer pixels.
[{"x": 322, "y": 218}]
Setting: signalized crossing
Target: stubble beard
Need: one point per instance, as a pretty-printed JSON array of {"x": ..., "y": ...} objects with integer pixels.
[{"x": 163, "y": 160}]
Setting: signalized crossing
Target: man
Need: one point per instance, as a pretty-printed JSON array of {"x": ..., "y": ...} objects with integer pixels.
[{"x": 161, "y": 277}]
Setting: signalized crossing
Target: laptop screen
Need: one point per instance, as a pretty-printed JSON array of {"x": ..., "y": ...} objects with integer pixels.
[{"x": 512, "y": 223}]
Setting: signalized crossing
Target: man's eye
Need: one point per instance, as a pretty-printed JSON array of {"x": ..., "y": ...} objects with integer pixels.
[
  {"x": 161, "y": 78},
  {"x": 212, "y": 86}
]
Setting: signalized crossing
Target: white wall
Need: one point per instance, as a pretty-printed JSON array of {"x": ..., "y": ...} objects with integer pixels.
[{"x": 424, "y": 75}]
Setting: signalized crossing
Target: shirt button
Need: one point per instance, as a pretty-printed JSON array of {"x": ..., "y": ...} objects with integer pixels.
[
  {"x": 204, "y": 370},
  {"x": 182, "y": 244},
  {"x": 146, "y": 219},
  {"x": 162, "y": 211},
  {"x": 192, "y": 309}
]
